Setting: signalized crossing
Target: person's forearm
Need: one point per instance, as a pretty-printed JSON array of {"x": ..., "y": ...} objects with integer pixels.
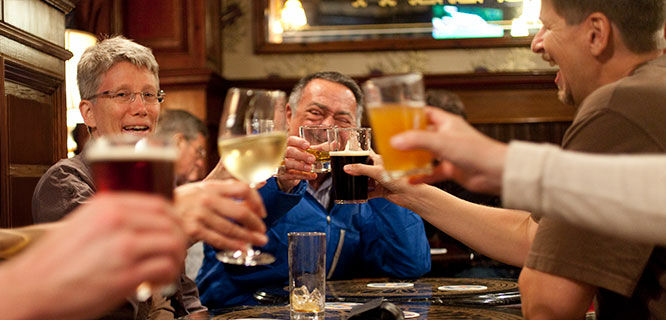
[
  {"x": 501, "y": 234},
  {"x": 619, "y": 195},
  {"x": 18, "y": 297}
]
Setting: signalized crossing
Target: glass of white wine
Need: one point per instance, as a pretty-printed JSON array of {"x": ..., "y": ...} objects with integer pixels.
[{"x": 252, "y": 142}]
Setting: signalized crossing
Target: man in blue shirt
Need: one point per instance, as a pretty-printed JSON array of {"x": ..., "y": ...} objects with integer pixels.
[{"x": 373, "y": 239}]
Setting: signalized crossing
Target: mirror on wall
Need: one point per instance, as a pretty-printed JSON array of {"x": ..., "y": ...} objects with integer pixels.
[{"x": 352, "y": 25}]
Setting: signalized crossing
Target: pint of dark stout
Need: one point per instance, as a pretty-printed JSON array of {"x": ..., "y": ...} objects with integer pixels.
[{"x": 352, "y": 145}]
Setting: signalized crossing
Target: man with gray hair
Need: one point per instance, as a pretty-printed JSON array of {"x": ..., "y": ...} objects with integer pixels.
[
  {"x": 119, "y": 85},
  {"x": 189, "y": 134},
  {"x": 377, "y": 238}
]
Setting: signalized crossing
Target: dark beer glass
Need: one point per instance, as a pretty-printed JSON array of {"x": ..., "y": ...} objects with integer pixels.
[
  {"x": 133, "y": 163},
  {"x": 351, "y": 145},
  {"x": 141, "y": 173}
]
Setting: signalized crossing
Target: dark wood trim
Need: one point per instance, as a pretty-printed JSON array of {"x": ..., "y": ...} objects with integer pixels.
[
  {"x": 117, "y": 18},
  {"x": 27, "y": 170},
  {"x": 65, "y": 6},
  {"x": 458, "y": 81},
  {"x": 189, "y": 77},
  {"x": 261, "y": 46},
  {"x": 258, "y": 31},
  {"x": 60, "y": 127},
  {"x": 494, "y": 80},
  {"x": 32, "y": 78},
  {"x": 515, "y": 120},
  {"x": 33, "y": 41},
  {"x": 5, "y": 217}
]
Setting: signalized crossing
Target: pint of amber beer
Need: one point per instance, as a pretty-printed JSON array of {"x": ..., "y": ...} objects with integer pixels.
[
  {"x": 319, "y": 137},
  {"x": 132, "y": 163},
  {"x": 396, "y": 104}
]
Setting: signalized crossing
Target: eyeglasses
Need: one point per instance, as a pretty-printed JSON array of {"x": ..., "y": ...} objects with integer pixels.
[
  {"x": 201, "y": 153},
  {"x": 125, "y": 96}
]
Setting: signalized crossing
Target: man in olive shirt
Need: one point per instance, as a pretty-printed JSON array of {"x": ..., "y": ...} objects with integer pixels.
[{"x": 613, "y": 71}]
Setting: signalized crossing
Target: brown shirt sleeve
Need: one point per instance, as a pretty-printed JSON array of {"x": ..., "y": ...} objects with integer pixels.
[
  {"x": 190, "y": 295},
  {"x": 61, "y": 189},
  {"x": 576, "y": 253}
]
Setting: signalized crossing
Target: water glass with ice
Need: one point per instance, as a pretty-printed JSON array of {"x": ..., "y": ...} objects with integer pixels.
[{"x": 307, "y": 275}]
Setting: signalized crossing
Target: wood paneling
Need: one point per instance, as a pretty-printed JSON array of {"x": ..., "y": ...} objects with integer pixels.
[
  {"x": 30, "y": 40},
  {"x": 99, "y": 17},
  {"x": 5, "y": 217},
  {"x": 551, "y": 132},
  {"x": 38, "y": 18},
  {"x": 174, "y": 29},
  {"x": 186, "y": 99},
  {"x": 172, "y": 35},
  {"x": 20, "y": 197},
  {"x": 25, "y": 117},
  {"x": 32, "y": 103},
  {"x": 34, "y": 137},
  {"x": 514, "y": 106}
]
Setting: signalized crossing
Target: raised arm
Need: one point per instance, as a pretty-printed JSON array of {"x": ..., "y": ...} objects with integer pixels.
[
  {"x": 224, "y": 213},
  {"x": 501, "y": 234},
  {"x": 93, "y": 259}
]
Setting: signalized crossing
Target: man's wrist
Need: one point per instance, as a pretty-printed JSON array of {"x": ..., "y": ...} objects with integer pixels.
[
  {"x": 286, "y": 186},
  {"x": 12, "y": 299}
]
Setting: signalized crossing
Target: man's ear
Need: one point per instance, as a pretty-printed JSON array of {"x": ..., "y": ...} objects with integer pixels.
[
  {"x": 599, "y": 32},
  {"x": 179, "y": 140},
  {"x": 85, "y": 107},
  {"x": 288, "y": 114}
]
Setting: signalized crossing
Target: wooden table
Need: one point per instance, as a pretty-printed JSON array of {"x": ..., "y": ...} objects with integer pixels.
[
  {"x": 424, "y": 311},
  {"x": 497, "y": 292}
]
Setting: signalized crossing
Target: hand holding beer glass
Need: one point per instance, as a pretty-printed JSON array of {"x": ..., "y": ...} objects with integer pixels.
[
  {"x": 133, "y": 163},
  {"x": 396, "y": 104},
  {"x": 350, "y": 145},
  {"x": 252, "y": 142}
]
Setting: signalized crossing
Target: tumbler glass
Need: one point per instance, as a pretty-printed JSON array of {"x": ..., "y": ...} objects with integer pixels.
[{"x": 307, "y": 275}]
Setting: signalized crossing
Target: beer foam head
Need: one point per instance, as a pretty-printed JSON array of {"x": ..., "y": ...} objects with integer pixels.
[
  {"x": 128, "y": 148},
  {"x": 349, "y": 153}
]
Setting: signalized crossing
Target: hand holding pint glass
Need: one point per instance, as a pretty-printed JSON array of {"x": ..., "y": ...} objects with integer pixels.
[
  {"x": 133, "y": 163},
  {"x": 350, "y": 145},
  {"x": 397, "y": 104}
]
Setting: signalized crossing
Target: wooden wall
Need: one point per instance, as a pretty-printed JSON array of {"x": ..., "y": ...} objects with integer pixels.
[{"x": 32, "y": 100}]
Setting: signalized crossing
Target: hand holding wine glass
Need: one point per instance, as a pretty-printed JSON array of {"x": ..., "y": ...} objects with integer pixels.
[{"x": 252, "y": 142}]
